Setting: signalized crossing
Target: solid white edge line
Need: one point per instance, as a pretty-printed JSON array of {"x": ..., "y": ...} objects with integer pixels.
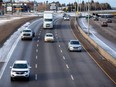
[
  {"x": 97, "y": 63},
  {"x": 8, "y": 57}
]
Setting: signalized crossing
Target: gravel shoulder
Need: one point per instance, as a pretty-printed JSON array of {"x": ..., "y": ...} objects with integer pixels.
[{"x": 9, "y": 28}]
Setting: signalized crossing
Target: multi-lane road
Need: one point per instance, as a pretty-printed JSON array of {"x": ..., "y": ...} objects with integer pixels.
[{"x": 52, "y": 64}]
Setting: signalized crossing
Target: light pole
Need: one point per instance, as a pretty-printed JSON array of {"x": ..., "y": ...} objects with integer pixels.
[
  {"x": 88, "y": 19},
  {"x": 34, "y": 6}
]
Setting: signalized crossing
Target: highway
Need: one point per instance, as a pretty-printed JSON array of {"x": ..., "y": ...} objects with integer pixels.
[{"x": 52, "y": 64}]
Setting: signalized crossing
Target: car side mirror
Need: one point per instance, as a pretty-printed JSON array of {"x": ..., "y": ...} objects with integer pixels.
[{"x": 10, "y": 66}]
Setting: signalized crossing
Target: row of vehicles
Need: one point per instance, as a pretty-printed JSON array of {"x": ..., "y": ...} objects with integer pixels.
[
  {"x": 21, "y": 68},
  {"x": 97, "y": 18}
]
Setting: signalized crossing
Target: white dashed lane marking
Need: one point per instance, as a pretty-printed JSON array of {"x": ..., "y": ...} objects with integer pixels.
[
  {"x": 36, "y": 57},
  {"x": 61, "y": 51},
  {"x": 64, "y": 58},
  {"x": 35, "y": 65},
  {"x": 67, "y": 66},
  {"x": 37, "y": 45},
  {"x": 37, "y": 50},
  {"x": 72, "y": 77},
  {"x": 38, "y": 40},
  {"x": 35, "y": 76}
]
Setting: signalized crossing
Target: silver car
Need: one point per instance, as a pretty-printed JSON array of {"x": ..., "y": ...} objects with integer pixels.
[
  {"x": 74, "y": 45},
  {"x": 20, "y": 69},
  {"x": 49, "y": 37}
]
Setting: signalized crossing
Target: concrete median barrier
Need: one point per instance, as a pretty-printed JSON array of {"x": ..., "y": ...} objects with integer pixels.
[{"x": 106, "y": 55}]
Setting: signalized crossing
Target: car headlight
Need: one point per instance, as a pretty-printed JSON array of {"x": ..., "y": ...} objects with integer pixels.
[
  {"x": 79, "y": 47},
  {"x": 26, "y": 72},
  {"x": 71, "y": 47}
]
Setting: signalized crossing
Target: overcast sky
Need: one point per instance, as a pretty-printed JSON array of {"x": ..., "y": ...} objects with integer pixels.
[{"x": 111, "y": 2}]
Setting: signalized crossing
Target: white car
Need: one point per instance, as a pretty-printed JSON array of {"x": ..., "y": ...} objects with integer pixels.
[
  {"x": 20, "y": 69},
  {"x": 27, "y": 34},
  {"x": 66, "y": 17},
  {"x": 74, "y": 45},
  {"x": 49, "y": 37}
]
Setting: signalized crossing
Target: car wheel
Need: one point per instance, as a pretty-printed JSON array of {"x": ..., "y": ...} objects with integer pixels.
[
  {"x": 27, "y": 79},
  {"x": 22, "y": 39},
  {"x": 12, "y": 79},
  {"x": 33, "y": 34}
]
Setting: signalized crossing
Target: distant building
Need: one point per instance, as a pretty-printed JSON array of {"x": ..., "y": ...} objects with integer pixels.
[{"x": 53, "y": 7}]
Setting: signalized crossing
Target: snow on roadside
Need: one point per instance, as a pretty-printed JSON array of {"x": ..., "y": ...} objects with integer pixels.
[{"x": 5, "y": 49}]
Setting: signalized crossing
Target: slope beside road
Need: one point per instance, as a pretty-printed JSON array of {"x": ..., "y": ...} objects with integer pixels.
[{"x": 9, "y": 27}]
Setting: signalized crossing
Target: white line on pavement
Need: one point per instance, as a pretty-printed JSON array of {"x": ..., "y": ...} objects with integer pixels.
[
  {"x": 35, "y": 76},
  {"x": 36, "y": 57},
  {"x": 64, "y": 58},
  {"x": 67, "y": 66},
  {"x": 35, "y": 65},
  {"x": 72, "y": 77}
]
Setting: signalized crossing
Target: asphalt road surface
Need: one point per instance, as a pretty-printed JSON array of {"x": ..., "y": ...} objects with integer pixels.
[{"x": 52, "y": 64}]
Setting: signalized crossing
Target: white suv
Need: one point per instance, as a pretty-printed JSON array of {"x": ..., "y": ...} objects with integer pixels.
[
  {"x": 20, "y": 69},
  {"x": 27, "y": 34},
  {"x": 74, "y": 45}
]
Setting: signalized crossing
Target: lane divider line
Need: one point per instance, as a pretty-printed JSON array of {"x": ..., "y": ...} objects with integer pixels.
[
  {"x": 72, "y": 77},
  {"x": 64, "y": 58},
  {"x": 35, "y": 76},
  {"x": 61, "y": 51},
  {"x": 67, "y": 66},
  {"x": 37, "y": 50},
  {"x": 37, "y": 40},
  {"x": 35, "y": 65},
  {"x": 36, "y": 57},
  {"x": 37, "y": 45}
]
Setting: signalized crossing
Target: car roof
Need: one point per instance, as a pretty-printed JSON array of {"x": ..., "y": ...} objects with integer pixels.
[
  {"x": 27, "y": 29},
  {"x": 20, "y": 62},
  {"x": 49, "y": 34},
  {"x": 74, "y": 40}
]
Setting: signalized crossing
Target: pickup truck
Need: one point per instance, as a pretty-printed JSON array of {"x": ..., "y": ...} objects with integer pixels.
[{"x": 27, "y": 33}]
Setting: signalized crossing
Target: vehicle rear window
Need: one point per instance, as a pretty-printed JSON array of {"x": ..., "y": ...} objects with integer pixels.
[
  {"x": 75, "y": 42},
  {"x": 26, "y": 30},
  {"x": 48, "y": 19},
  {"x": 20, "y": 66},
  {"x": 49, "y": 35}
]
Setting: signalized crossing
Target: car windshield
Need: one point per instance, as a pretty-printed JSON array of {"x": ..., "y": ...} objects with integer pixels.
[
  {"x": 48, "y": 19},
  {"x": 26, "y": 30},
  {"x": 74, "y": 42},
  {"x": 49, "y": 35},
  {"x": 20, "y": 66}
]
